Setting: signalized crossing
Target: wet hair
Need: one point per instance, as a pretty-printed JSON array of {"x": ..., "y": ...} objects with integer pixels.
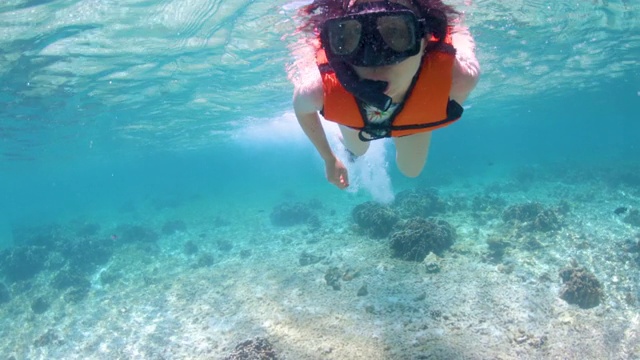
[{"x": 315, "y": 14}]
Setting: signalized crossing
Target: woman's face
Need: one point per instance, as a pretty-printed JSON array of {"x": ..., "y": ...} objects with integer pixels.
[{"x": 399, "y": 76}]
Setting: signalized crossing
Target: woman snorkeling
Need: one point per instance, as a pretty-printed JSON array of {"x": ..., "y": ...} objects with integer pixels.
[{"x": 381, "y": 68}]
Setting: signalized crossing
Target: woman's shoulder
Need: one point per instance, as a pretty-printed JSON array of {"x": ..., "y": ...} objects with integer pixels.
[
  {"x": 466, "y": 69},
  {"x": 308, "y": 99},
  {"x": 466, "y": 61},
  {"x": 306, "y": 79}
]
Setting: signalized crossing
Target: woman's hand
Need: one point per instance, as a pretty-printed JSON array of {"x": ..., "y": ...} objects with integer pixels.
[{"x": 336, "y": 172}]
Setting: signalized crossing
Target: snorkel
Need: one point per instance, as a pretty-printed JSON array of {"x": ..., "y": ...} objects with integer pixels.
[{"x": 368, "y": 91}]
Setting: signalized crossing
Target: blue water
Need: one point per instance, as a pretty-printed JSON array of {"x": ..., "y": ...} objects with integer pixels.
[
  {"x": 104, "y": 104},
  {"x": 137, "y": 97}
]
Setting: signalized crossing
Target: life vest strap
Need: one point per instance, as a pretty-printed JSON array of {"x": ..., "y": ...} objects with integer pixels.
[
  {"x": 454, "y": 112},
  {"x": 375, "y": 131}
]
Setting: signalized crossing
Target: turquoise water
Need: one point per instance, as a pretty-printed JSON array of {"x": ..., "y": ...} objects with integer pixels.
[
  {"x": 195, "y": 93},
  {"x": 140, "y": 112}
]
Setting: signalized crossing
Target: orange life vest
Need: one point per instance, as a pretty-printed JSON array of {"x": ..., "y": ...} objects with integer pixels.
[{"x": 426, "y": 107}]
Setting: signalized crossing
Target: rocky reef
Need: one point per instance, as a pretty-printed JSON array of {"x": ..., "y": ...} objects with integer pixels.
[
  {"x": 129, "y": 233},
  {"x": 419, "y": 202},
  {"x": 633, "y": 218},
  {"x": 532, "y": 216},
  {"x": 255, "y": 349},
  {"x": 87, "y": 253},
  {"x": 374, "y": 219},
  {"x": 497, "y": 247},
  {"x": 174, "y": 226},
  {"x": 581, "y": 288},
  {"x": 22, "y": 262},
  {"x": 294, "y": 213},
  {"x": 417, "y": 237},
  {"x": 5, "y": 294}
]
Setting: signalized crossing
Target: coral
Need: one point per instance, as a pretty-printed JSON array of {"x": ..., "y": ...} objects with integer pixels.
[
  {"x": 633, "y": 218},
  {"x": 48, "y": 338},
  {"x": 497, "y": 247},
  {"x": 625, "y": 176},
  {"x": 290, "y": 214},
  {"x": 47, "y": 236},
  {"x": 224, "y": 245},
  {"x": 350, "y": 274},
  {"x": 22, "y": 262},
  {"x": 87, "y": 230},
  {"x": 136, "y": 234},
  {"x": 5, "y": 295},
  {"x": 363, "y": 291},
  {"x": 547, "y": 220},
  {"x": 417, "y": 237},
  {"x": 458, "y": 203},
  {"x": 581, "y": 288},
  {"x": 487, "y": 203},
  {"x": 190, "y": 248},
  {"x": 432, "y": 263},
  {"x": 632, "y": 245},
  {"x": 69, "y": 278},
  {"x": 204, "y": 260},
  {"x": 313, "y": 222},
  {"x": 522, "y": 212},
  {"x": 563, "y": 207},
  {"x": 419, "y": 202},
  {"x": 110, "y": 276},
  {"x": 174, "y": 226},
  {"x": 73, "y": 280},
  {"x": 40, "y": 305},
  {"x": 76, "y": 294},
  {"x": 375, "y": 219},
  {"x": 86, "y": 253},
  {"x": 533, "y": 216},
  {"x": 531, "y": 243},
  {"x": 332, "y": 277},
  {"x": 256, "y": 349},
  {"x": 309, "y": 259}
]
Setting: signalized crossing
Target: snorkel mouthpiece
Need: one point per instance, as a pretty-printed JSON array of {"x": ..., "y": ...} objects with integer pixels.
[{"x": 368, "y": 91}]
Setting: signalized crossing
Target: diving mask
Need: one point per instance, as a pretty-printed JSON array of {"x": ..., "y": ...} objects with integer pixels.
[{"x": 374, "y": 34}]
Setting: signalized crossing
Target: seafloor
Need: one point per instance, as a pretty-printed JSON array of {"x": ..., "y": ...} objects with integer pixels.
[{"x": 303, "y": 278}]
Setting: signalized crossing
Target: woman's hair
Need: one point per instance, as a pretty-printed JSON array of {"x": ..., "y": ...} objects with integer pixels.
[{"x": 315, "y": 14}]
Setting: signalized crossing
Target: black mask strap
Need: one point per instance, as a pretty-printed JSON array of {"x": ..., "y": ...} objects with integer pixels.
[{"x": 436, "y": 23}]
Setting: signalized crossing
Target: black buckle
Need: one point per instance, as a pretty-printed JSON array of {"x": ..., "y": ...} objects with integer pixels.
[{"x": 373, "y": 133}]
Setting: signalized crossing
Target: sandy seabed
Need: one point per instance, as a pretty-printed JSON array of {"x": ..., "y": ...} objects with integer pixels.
[{"x": 160, "y": 304}]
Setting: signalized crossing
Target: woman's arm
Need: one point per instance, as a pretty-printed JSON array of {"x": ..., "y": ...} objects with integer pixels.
[{"x": 307, "y": 102}]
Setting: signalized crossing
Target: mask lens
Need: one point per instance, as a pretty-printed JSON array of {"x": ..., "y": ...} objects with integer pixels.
[
  {"x": 344, "y": 36},
  {"x": 397, "y": 31}
]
